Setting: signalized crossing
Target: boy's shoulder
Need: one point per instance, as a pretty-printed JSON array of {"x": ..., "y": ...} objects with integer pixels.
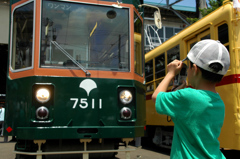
[
  {"x": 187, "y": 90},
  {"x": 199, "y": 94}
]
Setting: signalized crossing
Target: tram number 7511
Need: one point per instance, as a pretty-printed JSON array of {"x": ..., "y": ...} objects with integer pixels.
[{"x": 83, "y": 103}]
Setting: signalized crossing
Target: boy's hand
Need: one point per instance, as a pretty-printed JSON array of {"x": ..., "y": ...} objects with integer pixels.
[
  {"x": 174, "y": 67},
  {"x": 183, "y": 85}
]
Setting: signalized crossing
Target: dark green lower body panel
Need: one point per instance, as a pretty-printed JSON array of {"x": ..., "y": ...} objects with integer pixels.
[
  {"x": 74, "y": 111},
  {"x": 64, "y": 132}
]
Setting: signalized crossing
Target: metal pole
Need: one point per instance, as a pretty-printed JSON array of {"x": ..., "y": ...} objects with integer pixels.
[{"x": 202, "y": 5}]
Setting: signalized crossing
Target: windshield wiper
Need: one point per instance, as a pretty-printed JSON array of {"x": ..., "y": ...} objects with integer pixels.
[{"x": 71, "y": 58}]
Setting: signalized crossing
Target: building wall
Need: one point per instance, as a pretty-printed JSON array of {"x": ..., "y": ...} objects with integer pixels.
[
  {"x": 4, "y": 25},
  {"x": 153, "y": 39}
]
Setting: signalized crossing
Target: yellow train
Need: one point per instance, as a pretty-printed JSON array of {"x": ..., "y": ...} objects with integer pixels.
[{"x": 224, "y": 25}]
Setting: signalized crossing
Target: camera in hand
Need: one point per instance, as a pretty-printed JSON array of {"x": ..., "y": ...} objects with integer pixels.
[{"x": 181, "y": 76}]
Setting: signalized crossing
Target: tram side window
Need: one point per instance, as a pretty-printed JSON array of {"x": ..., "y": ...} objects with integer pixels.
[
  {"x": 22, "y": 36},
  {"x": 160, "y": 66},
  {"x": 173, "y": 54},
  {"x": 138, "y": 45},
  {"x": 223, "y": 34}
]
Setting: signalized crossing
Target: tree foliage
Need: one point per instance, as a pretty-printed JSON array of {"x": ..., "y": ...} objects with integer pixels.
[{"x": 213, "y": 5}]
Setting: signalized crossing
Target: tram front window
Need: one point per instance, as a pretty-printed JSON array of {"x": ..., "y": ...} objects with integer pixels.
[{"x": 95, "y": 36}]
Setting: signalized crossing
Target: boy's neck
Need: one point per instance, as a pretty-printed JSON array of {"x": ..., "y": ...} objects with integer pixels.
[{"x": 206, "y": 85}]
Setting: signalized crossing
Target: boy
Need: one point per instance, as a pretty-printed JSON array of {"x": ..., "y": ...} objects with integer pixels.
[{"x": 197, "y": 112}]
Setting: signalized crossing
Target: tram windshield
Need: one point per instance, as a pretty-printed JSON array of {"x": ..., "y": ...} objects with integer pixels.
[{"x": 95, "y": 36}]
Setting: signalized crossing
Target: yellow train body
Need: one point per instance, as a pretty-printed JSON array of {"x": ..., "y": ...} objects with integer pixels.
[{"x": 224, "y": 25}]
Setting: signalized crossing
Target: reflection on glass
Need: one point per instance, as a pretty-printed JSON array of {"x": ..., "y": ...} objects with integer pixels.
[
  {"x": 138, "y": 60},
  {"x": 95, "y": 36}
]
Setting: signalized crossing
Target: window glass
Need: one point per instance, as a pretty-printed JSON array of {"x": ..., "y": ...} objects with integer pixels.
[
  {"x": 173, "y": 54},
  {"x": 153, "y": 29},
  {"x": 138, "y": 45},
  {"x": 192, "y": 44},
  {"x": 149, "y": 71},
  {"x": 227, "y": 47},
  {"x": 223, "y": 36},
  {"x": 160, "y": 32},
  {"x": 223, "y": 33},
  {"x": 70, "y": 35},
  {"x": 153, "y": 40},
  {"x": 160, "y": 66},
  {"x": 152, "y": 32},
  {"x": 169, "y": 32},
  {"x": 22, "y": 36},
  {"x": 177, "y": 30},
  {"x": 152, "y": 37},
  {"x": 150, "y": 87},
  {"x": 206, "y": 37}
]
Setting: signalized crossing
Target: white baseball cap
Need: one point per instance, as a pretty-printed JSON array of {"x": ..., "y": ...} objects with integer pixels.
[{"x": 209, "y": 51}]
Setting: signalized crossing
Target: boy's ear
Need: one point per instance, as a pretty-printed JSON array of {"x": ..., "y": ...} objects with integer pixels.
[{"x": 196, "y": 69}]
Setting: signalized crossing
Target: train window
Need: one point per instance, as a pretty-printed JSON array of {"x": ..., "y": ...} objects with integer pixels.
[
  {"x": 22, "y": 36},
  {"x": 227, "y": 47},
  {"x": 192, "y": 44},
  {"x": 149, "y": 75},
  {"x": 138, "y": 45},
  {"x": 149, "y": 71},
  {"x": 160, "y": 66},
  {"x": 173, "y": 54},
  {"x": 223, "y": 33},
  {"x": 206, "y": 37},
  {"x": 94, "y": 36},
  {"x": 150, "y": 86}
]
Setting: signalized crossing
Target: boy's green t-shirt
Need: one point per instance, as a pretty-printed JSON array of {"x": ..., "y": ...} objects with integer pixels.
[{"x": 198, "y": 117}]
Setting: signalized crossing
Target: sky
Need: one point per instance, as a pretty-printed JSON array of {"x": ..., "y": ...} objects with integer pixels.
[{"x": 190, "y": 3}]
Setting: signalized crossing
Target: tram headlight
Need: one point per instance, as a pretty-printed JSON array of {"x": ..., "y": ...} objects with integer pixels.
[
  {"x": 43, "y": 95},
  {"x": 125, "y": 96}
]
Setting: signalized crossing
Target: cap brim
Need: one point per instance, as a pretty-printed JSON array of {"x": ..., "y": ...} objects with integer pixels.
[{"x": 185, "y": 59}]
